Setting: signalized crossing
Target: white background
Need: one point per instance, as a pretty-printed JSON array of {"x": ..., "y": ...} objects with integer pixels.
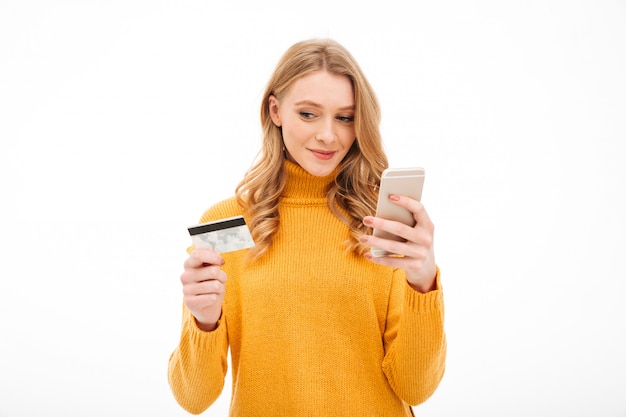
[{"x": 121, "y": 121}]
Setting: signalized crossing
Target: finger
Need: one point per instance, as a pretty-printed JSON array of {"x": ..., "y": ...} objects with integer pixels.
[
  {"x": 201, "y": 257},
  {"x": 390, "y": 246},
  {"x": 415, "y": 240},
  {"x": 204, "y": 288},
  {"x": 417, "y": 208},
  {"x": 210, "y": 273},
  {"x": 206, "y": 273},
  {"x": 391, "y": 261},
  {"x": 197, "y": 303},
  {"x": 390, "y": 226}
]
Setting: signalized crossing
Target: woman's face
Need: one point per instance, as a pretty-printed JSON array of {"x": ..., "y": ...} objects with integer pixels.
[{"x": 317, "y": 120}]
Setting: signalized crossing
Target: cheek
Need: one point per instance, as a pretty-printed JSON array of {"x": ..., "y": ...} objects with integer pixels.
[
  {"x": 294, "y": 133},
  {"x": 348, "y": 137},
  {"x": 288, "y": 136}
]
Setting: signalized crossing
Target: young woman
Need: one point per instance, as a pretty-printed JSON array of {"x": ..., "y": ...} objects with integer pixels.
[{"x": 315, "y": 325}]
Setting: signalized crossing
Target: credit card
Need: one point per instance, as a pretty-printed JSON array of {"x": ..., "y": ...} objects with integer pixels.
[{"x": 221, "y": 236}]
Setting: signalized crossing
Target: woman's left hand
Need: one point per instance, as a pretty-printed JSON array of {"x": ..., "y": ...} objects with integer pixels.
[{"x": 417, "y": 254}]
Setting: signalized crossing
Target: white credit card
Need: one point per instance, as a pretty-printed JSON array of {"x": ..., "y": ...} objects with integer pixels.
[{"x": 221, "y": 236}]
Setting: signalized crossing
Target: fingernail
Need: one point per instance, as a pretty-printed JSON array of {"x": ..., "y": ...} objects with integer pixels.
[
  {"x": 363, "y": 239},
  {"x": 368, "y": 220},
  {"x": 394, "y": 197}
]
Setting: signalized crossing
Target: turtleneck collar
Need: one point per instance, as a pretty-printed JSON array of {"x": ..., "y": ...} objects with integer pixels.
[{"x": 303, "y": 185}]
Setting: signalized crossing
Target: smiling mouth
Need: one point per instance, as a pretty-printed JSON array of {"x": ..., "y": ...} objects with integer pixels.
[{"x": 325, "y": 155}]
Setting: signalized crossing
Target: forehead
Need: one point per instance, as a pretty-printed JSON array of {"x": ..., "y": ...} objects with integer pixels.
[{"x": 323, "y": 88}]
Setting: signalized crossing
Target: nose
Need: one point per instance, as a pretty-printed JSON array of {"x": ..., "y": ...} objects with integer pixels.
[{"x": 326, "y": 131}]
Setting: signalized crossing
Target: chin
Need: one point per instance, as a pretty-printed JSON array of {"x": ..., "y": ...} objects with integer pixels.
[{"x": 320, "y": 171}]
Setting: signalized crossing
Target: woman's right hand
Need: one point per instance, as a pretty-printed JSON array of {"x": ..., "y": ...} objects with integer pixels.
[{"x": 204, "y": 285}]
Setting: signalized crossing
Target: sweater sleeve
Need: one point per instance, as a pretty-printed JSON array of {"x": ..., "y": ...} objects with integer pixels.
[
  {"x": 415, "y": 341},
  {"x": 198, "y": 365}
]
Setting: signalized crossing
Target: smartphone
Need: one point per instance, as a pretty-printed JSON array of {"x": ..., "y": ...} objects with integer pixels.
[{"x": 400, "y": 181}]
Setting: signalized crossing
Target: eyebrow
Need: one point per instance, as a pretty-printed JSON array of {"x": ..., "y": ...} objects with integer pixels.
[{"x": 314, "y": 104}]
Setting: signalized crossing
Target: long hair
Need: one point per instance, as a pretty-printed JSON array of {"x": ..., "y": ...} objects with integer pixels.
[{"x": 355, "y": 189}]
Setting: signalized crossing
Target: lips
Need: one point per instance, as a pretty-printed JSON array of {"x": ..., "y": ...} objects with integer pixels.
[{"x": 322, "y": 154}]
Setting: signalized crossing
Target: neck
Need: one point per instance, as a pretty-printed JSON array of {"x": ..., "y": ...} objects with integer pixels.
[{"x": 302, "y": 184}]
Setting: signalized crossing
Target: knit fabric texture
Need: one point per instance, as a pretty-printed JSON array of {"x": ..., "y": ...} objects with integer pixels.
[{"x": 313, "y": 330}]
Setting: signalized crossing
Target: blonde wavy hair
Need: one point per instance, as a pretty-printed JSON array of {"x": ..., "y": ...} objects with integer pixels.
[{"x": 355, "y": 189}]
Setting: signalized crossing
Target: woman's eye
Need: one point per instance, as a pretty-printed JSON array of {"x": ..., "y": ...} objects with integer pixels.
[
  {"x": 306, "y": 115},
  {"x": 345, "y": 119}
]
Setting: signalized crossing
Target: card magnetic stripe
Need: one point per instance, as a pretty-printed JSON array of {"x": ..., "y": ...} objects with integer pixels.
[{"x": 211, "y": 227}]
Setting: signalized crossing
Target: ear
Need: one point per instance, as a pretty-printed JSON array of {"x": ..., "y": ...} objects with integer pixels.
[{"x": 273, "y": 105}]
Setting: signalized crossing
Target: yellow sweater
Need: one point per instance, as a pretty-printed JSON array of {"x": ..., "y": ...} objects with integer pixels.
[{"x": 312, "y": 330}]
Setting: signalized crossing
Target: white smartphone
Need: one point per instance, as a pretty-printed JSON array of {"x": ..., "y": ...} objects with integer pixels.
[{"x": 399, "y": 181}]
